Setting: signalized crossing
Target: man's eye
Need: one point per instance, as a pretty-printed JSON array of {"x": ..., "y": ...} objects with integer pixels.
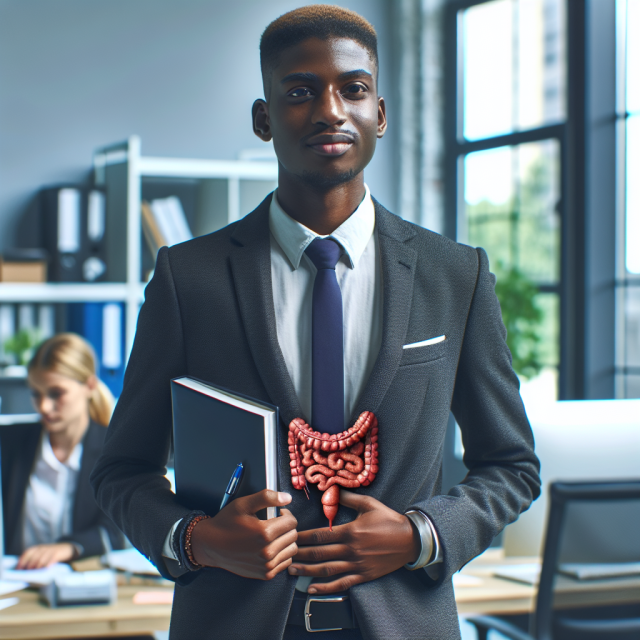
[
  {"x": 356, "y": 88},
  {"x": 300, "y": 93}
]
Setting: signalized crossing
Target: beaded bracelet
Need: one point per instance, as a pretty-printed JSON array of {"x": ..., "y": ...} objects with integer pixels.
[
  {"x": 187, "y": 540},
  {"x": 186, "y": 560}
]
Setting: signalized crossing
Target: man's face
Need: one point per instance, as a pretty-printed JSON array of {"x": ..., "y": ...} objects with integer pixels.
[{"x": 322, "y": 110}]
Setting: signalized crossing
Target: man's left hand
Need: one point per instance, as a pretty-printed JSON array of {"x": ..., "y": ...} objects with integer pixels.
[{"x": 379, "y": 541}]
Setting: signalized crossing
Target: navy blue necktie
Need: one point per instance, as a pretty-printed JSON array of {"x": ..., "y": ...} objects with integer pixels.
[{"x": 327, "y": 360}]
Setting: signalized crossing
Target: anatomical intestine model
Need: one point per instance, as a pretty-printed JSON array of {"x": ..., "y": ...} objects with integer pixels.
[{"x": 348, "y": 459}]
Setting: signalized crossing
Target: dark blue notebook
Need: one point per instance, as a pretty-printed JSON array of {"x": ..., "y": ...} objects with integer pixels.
[{"x": 214, "y": 430}]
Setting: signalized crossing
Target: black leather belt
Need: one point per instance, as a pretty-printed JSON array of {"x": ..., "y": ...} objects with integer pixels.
[{"x": 322, "y": 613}]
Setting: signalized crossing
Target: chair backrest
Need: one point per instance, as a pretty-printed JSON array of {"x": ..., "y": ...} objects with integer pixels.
[{"x": 589, "y": 522}]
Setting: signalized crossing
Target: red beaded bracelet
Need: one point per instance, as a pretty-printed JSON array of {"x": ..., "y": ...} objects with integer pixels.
[{"x": 187, "y": 540}]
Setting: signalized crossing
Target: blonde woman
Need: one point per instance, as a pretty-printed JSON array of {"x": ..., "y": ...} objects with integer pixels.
[{"x": 50, "y": 514}]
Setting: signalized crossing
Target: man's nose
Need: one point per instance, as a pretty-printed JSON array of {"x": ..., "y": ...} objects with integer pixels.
[{"x": 329, "y": 109}]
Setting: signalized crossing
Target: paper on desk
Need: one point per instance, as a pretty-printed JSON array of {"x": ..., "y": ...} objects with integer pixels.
[
  {"x": 528, "y": 573},
  {"x": 10, "y": 587},
  {"x": 153, "y": 597},
  {"x": 130, "y": 560},
  {"x": 466, "y": 580},
  {"x": 8, "y": 602},
  {"x": 600, "y": 571},
  {"x": 34, "y": 577}
]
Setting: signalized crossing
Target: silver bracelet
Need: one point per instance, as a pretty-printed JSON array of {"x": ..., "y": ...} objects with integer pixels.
[{"x": 426, "y": 548}]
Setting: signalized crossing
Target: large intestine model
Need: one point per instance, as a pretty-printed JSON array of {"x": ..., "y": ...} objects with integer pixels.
[{"x": 348, "y": 459}]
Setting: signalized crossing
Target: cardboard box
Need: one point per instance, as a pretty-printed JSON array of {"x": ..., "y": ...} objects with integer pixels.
[{"x": 32, "y": 271}]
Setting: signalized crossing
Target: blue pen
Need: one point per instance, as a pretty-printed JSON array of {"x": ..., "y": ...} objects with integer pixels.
[{"x": 233, "y": 485}]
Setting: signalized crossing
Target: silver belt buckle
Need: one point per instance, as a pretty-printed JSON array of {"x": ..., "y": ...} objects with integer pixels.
[{"x": 307, "y": 610}]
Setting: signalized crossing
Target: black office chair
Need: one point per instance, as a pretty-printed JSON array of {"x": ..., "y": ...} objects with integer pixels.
[{"x": 549, "y": 624}]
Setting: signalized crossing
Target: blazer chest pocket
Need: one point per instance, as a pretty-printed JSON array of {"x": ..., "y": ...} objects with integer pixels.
[{"x": 426, "y": 353}]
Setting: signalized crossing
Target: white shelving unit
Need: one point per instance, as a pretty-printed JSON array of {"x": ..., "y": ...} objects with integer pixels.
[{"x": 226, "y": 190}]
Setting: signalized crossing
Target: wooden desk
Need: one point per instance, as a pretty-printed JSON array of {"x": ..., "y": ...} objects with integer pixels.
[
  {"x": 499, "y": 596},
  {"x": 32, "y": 620}
]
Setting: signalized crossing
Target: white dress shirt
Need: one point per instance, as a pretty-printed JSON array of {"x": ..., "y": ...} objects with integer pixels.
[
  {"x": 48, "y": 508},
  {"x": 359, "y": 275}
]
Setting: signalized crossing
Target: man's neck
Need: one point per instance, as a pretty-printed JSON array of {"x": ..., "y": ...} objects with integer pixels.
[{"x": 322, "y": 210}]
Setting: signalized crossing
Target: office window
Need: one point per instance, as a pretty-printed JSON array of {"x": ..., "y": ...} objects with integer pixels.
[
  {"x": 511, "y": 97},
  {"x": 628, "y": 269},
  {"x": 513, "y": 66}
]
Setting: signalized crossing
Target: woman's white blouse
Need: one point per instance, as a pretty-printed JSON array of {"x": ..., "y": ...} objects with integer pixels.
[{"x": 48, "y": 507}]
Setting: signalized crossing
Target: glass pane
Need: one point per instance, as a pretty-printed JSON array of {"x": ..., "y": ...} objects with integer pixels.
[
  {"x": 633, "y": 195},
  {"x": 549, "y": 346},
  {"x": 633, "y": 56},
  {"x": 632, "y": 327},
  {"x": 511, "y": 199},
  {"x": 510, "y": 209},
  {"x": 513, "y": 66}
]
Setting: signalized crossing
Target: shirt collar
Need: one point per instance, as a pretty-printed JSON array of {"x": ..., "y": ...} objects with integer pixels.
[
  {"x": 353, "y": 234},
  {"x": 72, "y": 462}
]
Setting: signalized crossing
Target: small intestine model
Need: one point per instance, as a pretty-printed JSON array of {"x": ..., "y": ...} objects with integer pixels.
[{"x": 348, "y": 459}]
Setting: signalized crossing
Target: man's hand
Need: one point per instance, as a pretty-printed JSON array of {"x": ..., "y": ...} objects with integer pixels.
[
  {"x": 238, "y": 541},
  {"x": 377, "y": 542},
  {"x": 44, "y": 555}
]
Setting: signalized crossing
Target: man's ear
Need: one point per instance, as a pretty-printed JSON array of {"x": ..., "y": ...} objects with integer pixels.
[
  {"x": 260, "y": 117},
  {"x": 382, "y": 117}
]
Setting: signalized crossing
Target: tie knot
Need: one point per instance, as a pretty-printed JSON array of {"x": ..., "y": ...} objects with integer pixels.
[{"x": 324, "y": 253}]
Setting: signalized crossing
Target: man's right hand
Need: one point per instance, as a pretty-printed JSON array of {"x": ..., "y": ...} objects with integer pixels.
[{"x": 238, "y": 541}]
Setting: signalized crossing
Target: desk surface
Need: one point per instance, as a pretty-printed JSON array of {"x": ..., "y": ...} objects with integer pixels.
[{"x": 33, "y": 620}]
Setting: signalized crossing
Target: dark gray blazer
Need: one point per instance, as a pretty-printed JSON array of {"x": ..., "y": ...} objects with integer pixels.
[
  {"x": 19, "y": 446},
  {"x": 209, "y": 313}
]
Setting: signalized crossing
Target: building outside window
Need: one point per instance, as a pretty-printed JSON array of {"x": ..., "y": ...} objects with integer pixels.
[
  {"x": 511, "y": 109},
  {"x": 628, "y": 169}
]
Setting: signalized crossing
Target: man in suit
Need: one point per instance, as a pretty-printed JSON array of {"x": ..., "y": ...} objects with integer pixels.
[{"x": 422, "y": 336}]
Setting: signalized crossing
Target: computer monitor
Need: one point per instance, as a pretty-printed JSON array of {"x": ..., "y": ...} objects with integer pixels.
[
  {"x": 11, "y": 419},
  {"x": 577, "y": 440}
]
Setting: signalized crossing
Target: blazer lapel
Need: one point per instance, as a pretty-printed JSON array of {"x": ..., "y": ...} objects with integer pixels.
[
  {"x": 398, "y": 269},
  {"x": 251, "y": 268}
]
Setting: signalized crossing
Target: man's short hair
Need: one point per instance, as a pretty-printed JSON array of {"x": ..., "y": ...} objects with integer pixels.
[{"x": 321, "y": 21}]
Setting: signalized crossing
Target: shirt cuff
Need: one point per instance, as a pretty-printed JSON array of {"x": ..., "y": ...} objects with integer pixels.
[
  {"x": 167, "y": 549},
  {"x": 430, "y": 551}
]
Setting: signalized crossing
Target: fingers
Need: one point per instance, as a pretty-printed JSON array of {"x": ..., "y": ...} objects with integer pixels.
[
  {"x": 283, "y": 542},
  {"x": 322, "y": 553},
  {"x": 358, "y": 501},
  {"x": 277, "y": 527},
  {"x": 34, "y": 558},
  {"x": 313, "y": 537},
  {"x": 261, "y": 500},
  {"x": 342, "y": 584},
  {"x": 321, "y": 570},
  {"x": 282, "y": 560},
  {"x": 277, "y": 570}
]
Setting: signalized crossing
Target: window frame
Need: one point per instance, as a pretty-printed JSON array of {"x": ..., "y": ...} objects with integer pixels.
[{"x": 587, "y": 142}]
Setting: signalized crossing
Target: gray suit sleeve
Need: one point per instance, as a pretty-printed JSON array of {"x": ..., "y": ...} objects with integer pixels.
[
  {"x": 128, "y": 478},
  {"x": 503, "y": 476}
]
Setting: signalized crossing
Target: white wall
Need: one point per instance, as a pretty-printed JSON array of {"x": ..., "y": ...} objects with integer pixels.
[{"x": 182, "y": 74}]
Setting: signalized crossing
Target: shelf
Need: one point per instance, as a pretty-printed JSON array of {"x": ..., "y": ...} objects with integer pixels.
[
  {"x": 70, "y": 292},
  {"x": 185, "y": 168},
  {"x": 8, "y": 419}
]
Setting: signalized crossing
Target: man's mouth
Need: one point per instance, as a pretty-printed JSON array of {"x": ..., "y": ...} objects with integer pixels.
[{"x": 331, "y": 144}]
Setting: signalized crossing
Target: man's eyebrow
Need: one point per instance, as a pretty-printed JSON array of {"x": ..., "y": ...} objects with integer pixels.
[
  {"x": 307, "y": 76},
  {"x": 354, "y": 74},
  {"x": 301, "y": 76}
]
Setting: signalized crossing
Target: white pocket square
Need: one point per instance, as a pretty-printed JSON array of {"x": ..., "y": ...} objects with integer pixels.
[{"x": 424, "y": 343}]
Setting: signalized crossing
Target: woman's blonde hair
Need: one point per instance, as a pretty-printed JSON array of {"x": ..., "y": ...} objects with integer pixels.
[{"x": 70, "y": 355}]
